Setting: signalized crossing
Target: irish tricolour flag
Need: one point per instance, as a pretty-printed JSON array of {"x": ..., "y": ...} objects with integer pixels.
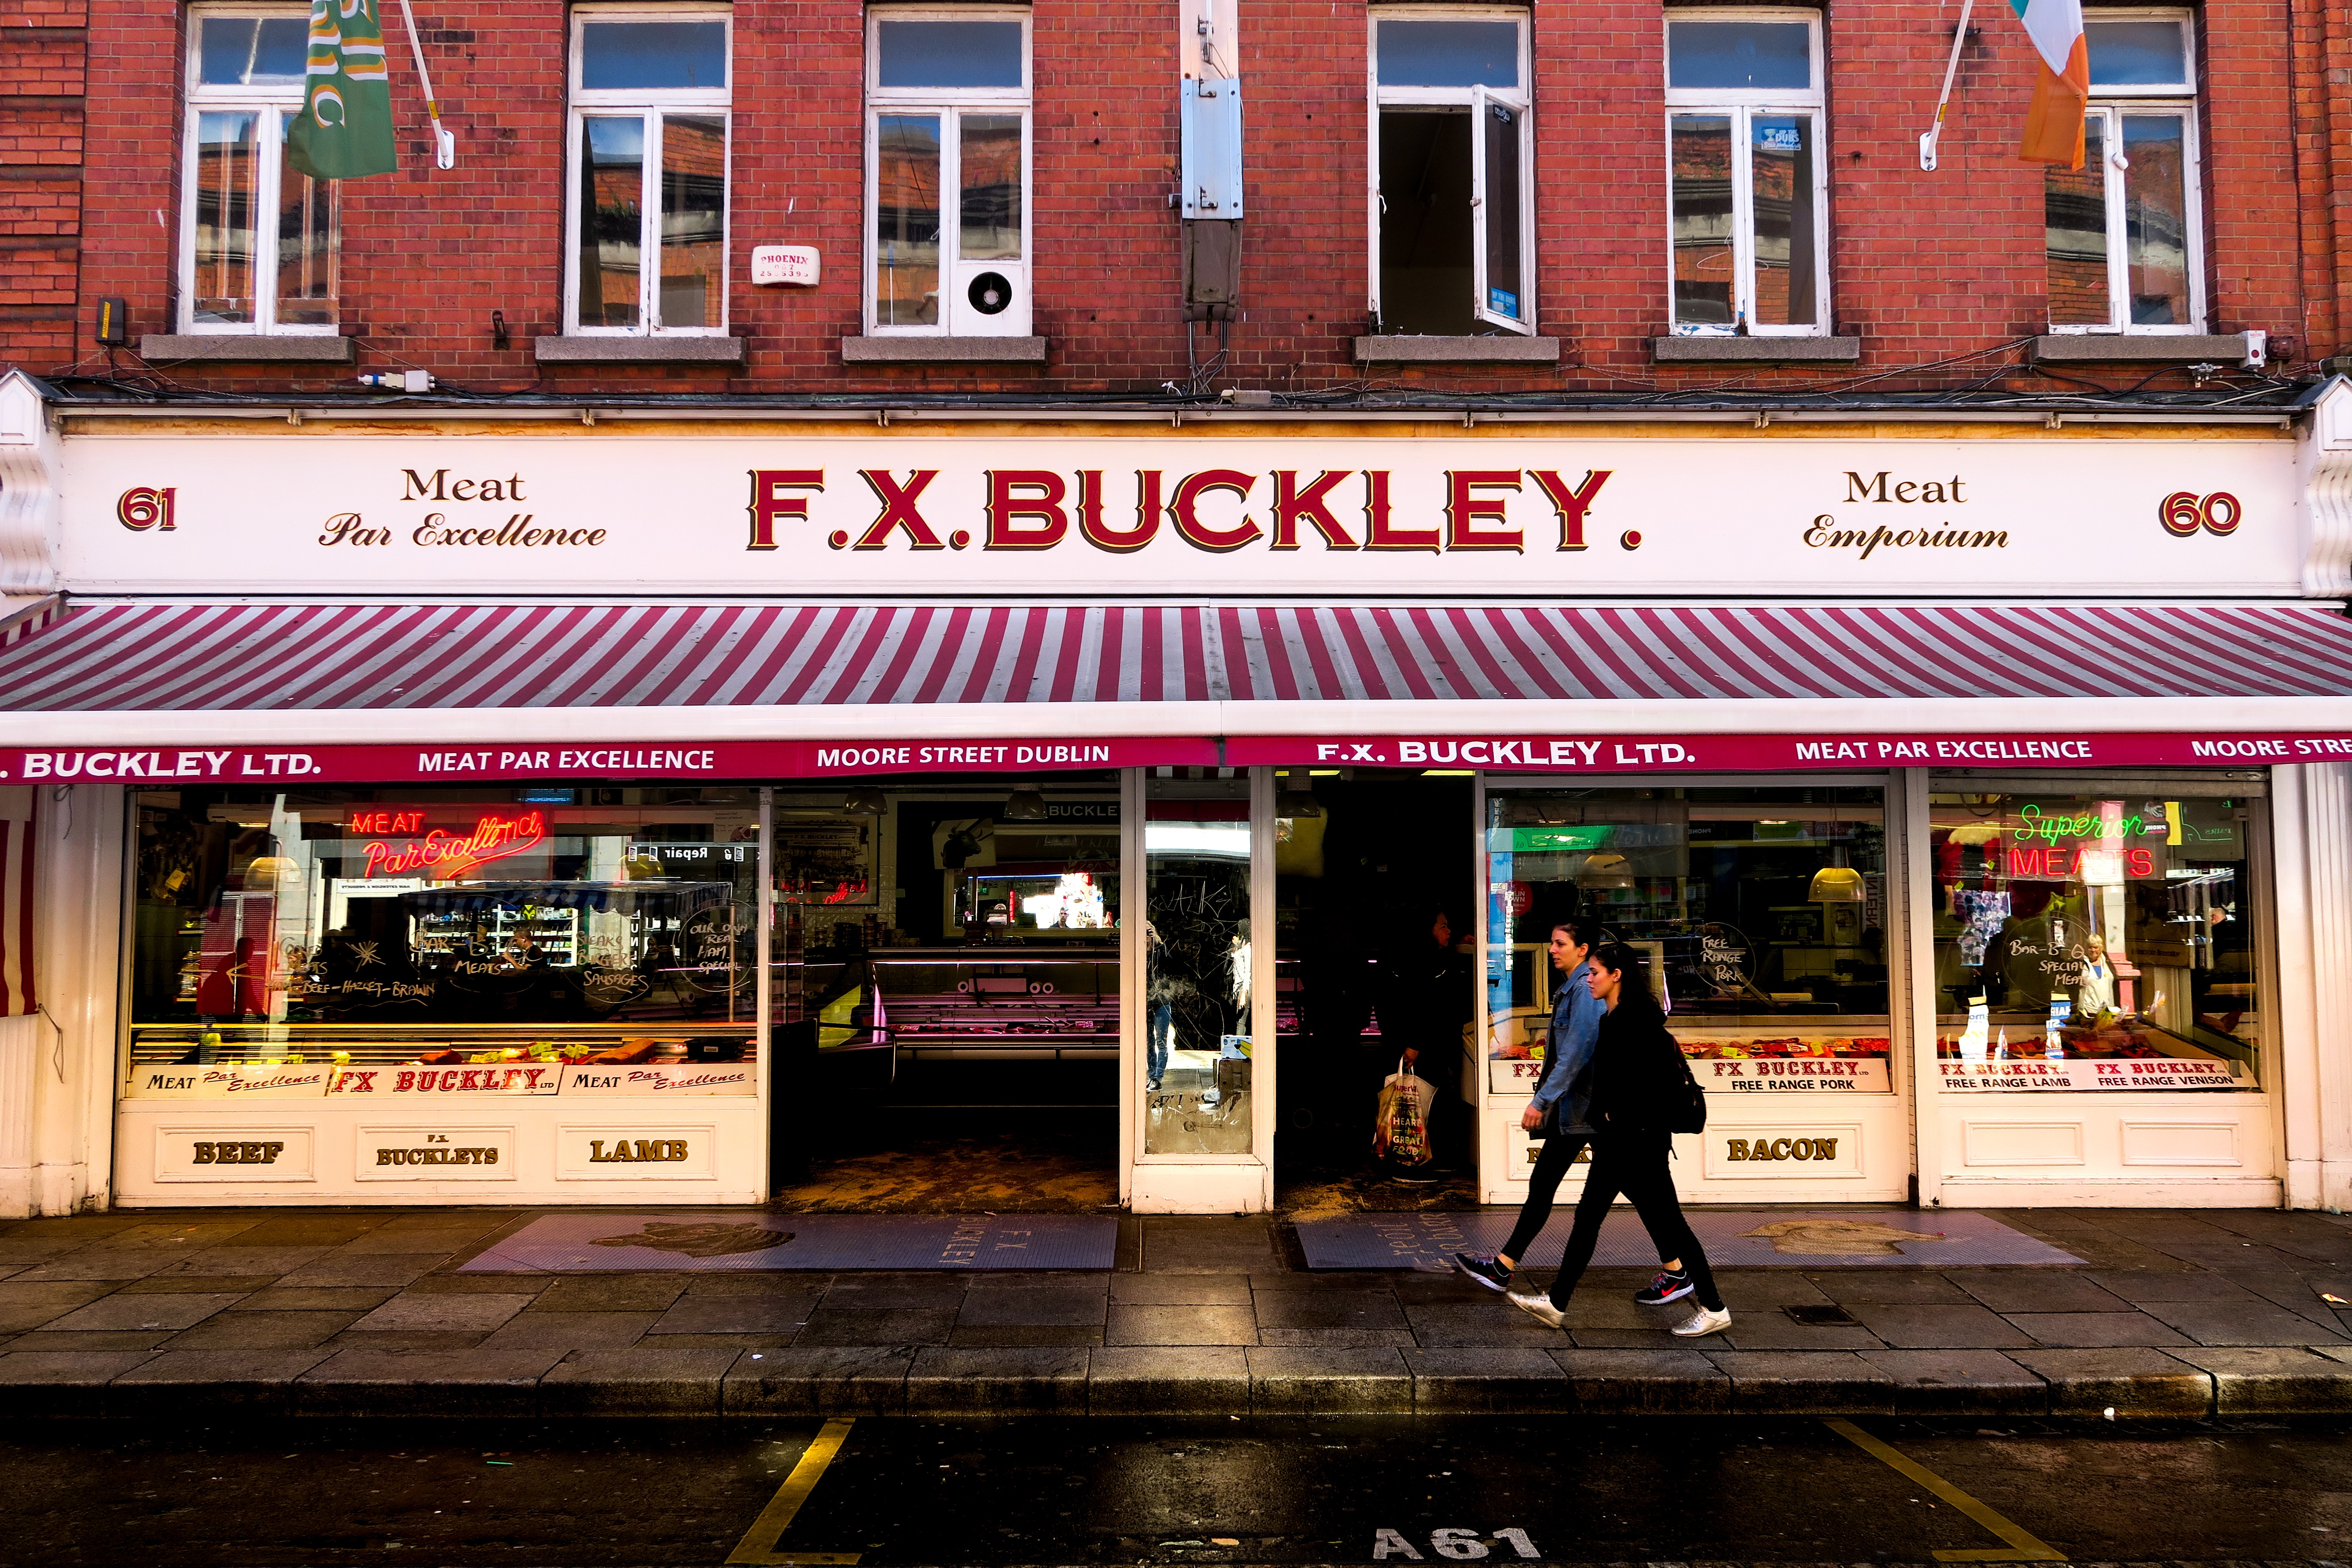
[{"x": 2053, "y": 125}]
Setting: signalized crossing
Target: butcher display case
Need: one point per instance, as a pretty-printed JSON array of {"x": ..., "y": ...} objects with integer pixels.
[{"x": 944, "y": 1004}]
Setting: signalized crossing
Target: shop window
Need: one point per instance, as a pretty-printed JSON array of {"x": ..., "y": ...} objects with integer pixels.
[
  {"x": 260, "y": 242},
  {"x": 952, "y": 924},
  {"x": 1453, "y": 209},
  {"x": 1761, "y": 913},
  {"x": 443, "y": 942},
  {"x": 2124, "y": 232},
  {"x": 649, "y": 171},
  {"x": 947, "y": 172},
  {"x": 2093, "y": 938},
  {"x": 1198, "y": 967},
  {"x": 1745, "y": 150}
]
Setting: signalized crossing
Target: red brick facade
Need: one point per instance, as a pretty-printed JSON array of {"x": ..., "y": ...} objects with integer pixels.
[{"x": 1925, "y": 268}]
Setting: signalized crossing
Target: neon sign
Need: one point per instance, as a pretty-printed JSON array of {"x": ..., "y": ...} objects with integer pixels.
[
  {"x": 847, "y": 891},
  {"x": 2034, "y": 824},
  {"x": 2090, "y": 864},
  {"x": 447, "y": 856},
  {"x": 380, "y": 822}
]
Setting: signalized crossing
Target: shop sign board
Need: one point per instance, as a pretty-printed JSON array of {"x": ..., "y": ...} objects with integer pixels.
[
  {"x": 1750, "y": 1075},
  {"x": 1492, "y": 752},
  {"x": 718, "y": 761},
  {"x": 2030, "y": 1075},
  {"x": 208, "y": 1153},
  {"x": 231, "y": 1080},
  {"x": 625, "y": 1148},
  {"x": 669, "y": 1079},
  {"x": 430, "y": 1154},
  {"x": 389, "y": 513},
  {"x": 1514, "y": 1075},
  {"x": 1686, "y": 751},
  {"x": 419, "y": 1081},
  {"x": 442, "y": 1085},
  {"x": 1800, "y": 1074},
  {"x": 1733, "y": 1154}
]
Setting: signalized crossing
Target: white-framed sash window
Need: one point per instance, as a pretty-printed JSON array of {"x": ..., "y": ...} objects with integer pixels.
[
  {"x": 646, "y": 224},
  {"x": 2125, "y": 232},
  {"x": 1453, "y": 172},
  {"x": 1748, "y": 163},
  {"x": 948, "y": 171},
  {"x": 260, "y": 242}
]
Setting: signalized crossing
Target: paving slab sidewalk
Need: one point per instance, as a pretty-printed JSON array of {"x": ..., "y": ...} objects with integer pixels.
[{"x": 363, "y": 1312}]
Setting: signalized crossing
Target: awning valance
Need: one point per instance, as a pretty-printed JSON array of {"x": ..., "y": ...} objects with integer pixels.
[
  {"x": 156, "y": 693},
  {"x": 247, "y": 658}
]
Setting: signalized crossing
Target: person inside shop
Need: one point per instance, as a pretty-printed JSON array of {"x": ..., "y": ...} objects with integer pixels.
[
  {"x": 1160, "y": 1004},
  {"x": 2094, "y": 981},
  {"x": 1640, "y": 1091},
  {"x": 523, "y": 952},
  {"x": 1424, "y": 1001},
  {"x": 1558, "y": 1113}
]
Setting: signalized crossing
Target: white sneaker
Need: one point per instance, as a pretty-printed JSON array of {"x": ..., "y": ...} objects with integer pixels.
[
  {"x": 1540, "y": 1308},
  {"x": 1703, "y": 1321}
]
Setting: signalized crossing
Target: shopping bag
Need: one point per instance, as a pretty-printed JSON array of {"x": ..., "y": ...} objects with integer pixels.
[{"x": 1401, "y": 1132}]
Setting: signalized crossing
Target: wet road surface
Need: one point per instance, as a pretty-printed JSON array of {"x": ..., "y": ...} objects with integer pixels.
[{"x": 621, "y": 1492}]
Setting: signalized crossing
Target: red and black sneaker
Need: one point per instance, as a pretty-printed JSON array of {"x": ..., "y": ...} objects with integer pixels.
[{"x": 1671, "y": 1285}]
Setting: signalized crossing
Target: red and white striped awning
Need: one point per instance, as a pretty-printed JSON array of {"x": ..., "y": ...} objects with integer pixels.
[{"x": 259, "y": 658}]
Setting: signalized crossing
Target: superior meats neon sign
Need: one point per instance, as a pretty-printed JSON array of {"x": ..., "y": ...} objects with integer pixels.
[{"x": 447, "y": 856}]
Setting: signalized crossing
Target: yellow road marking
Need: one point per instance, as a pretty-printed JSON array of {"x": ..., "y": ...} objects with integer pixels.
[
  {"x": 2023, "y": 1546},
  {"x": 762, "y": 1544}
]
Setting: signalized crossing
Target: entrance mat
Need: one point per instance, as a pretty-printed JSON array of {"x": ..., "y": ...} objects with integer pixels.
[
  {"x": 1734, "y": 1239},
  {"x": 706, "y": 1243}
]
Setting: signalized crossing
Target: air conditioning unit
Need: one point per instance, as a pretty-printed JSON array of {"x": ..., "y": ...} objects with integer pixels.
[{"x": 989, "y": 299}]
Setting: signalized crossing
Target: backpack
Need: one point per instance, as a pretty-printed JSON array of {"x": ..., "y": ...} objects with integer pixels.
[{"x": 1688, "y": 1102}]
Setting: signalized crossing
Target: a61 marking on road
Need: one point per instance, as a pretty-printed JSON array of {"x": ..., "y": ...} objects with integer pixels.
[{"x": 1461, "y": 1545}]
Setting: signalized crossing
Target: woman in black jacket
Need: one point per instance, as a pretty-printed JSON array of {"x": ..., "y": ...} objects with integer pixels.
[{"x": 1638, "y": 1088}]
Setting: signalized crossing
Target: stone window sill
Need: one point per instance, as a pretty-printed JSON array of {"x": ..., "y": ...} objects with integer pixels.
[
  {"x": 1499, "y": 349},
  {"x": 2139, "y": 348},
  {"x": 239, "y": 348},
  {"x": 663, "y": 349},
  {"x": 941, "y": 350},
  {"x": 1755, "y": 350}
]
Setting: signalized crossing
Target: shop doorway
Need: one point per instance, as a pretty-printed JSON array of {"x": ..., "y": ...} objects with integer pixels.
[
  {"x": 1376, "y": 903},
  {"x": 945, "y": 995}
]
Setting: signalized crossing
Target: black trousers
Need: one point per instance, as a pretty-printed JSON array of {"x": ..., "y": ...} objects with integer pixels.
[
  {"x": 1633, "y": 1163},
  {"x": 1560, "y": 1151}
]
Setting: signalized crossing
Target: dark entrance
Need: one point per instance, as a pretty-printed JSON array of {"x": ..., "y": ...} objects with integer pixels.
[{"x": 1366, "y": 863}]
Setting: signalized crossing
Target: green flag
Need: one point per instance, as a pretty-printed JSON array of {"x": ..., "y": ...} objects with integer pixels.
[{"x": 344, "y": 130}]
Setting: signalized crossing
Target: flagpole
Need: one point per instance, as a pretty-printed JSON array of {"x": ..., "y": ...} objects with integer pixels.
[
  {"x": 444, "y": 145},
  {"x": 1927, "y": 140}
]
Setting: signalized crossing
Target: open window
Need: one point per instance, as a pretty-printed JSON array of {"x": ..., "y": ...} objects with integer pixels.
[
  {"x": 947, "y": 172},
  {"x": 260, "y": 242},
  {"x": 649, "y": 164},
  {"x": 1453, "y": 201},
  {"x": 1749, "y": 211},
  {"x": 2124, "y": 232}
]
